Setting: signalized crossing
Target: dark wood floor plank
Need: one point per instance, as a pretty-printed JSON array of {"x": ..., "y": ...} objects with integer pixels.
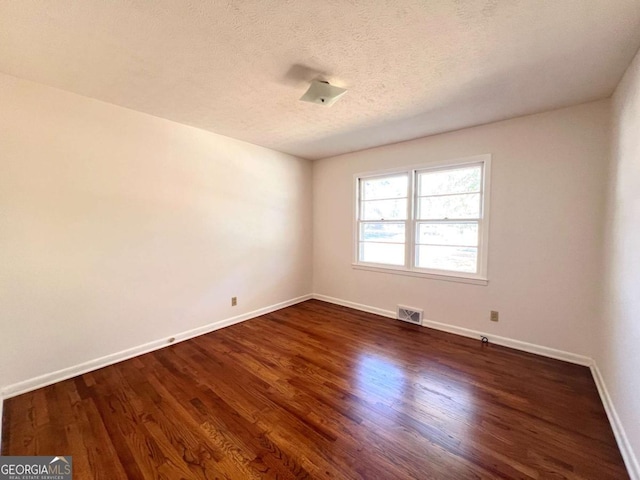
[
  {"x": 238, "y": 388},
  {"x": 166, "y": 420},
  {"x": 322, "y": 391},
  {"x": 94, "y": 455}
]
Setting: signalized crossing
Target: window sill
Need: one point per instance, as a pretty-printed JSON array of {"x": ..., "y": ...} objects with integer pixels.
[{"x": 414, "y": 273}]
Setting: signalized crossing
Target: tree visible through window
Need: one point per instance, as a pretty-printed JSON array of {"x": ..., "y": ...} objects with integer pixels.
[
  {"x": 429, "y": 220},
  {"x": 447, "y": 220},
  {"x": 383, "y": 219}
]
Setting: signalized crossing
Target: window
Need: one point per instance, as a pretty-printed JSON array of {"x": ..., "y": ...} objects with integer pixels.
[
  {"x": 384, "y": 214},
  {"x": 428, "y": 221}
]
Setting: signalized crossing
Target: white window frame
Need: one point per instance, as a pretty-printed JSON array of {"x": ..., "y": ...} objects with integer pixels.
[{"x": 479, "y": 278}]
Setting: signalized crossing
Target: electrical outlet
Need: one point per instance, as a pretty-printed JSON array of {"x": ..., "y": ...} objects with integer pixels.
[
  {"x": 234, "y": 301},
  {"x": 494, "y": 315}
]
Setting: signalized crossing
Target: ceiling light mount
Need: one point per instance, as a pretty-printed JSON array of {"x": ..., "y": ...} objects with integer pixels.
[{"x": 323, "y": 93}]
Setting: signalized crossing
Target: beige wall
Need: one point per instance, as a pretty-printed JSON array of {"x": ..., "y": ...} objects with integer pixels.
[
  {"x": 118, "y": 228},
  {"x": 619, "y": 354},
  {"x": 547, "y": 207}
]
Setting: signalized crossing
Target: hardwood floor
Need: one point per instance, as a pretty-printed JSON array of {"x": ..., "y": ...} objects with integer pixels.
[{"x": 322, "y": 391}]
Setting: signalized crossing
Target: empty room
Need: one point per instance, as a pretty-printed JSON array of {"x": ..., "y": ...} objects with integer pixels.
[{"x": 320, "y": 239}]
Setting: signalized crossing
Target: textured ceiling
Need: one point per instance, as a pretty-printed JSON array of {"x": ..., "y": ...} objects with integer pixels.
[{"x": 237, "y": 68}]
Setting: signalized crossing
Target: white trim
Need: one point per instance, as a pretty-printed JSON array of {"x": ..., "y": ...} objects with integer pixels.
[
  {"x": 485, "y": 218},
  {"x": 66, "y": 373},
  {"x": 624, "y": 446},
  {"x": 355, "y": 306},
  {"x": 414, "y": 273},
  {"x": 465, "y": 332},
  {"x": 630, "y": 460},
  {"x": 512, "y": 343},
  {"x": 1, "y": 421},
  {"x": 410, "y": 243},
  {"x": 457, "y": 161}
]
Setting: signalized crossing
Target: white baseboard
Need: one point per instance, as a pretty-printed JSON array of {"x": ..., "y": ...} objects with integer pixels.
[
  {"x": 512, "y": 343},
  {"x": 1, "y": 422},
  {"x": 465, "y": 332},
  {"x": 66, "y": 373},
  {"x": 630, "y": 460},
  {"x": 628, "y": 455},
  {"x": 355, "y": 306}
]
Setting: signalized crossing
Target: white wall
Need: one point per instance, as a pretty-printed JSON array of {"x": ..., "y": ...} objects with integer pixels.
[
  {"x": 118, "y": 228},
  {"x": 547, "y": 207},
  {"x": 619, "y": 354}
]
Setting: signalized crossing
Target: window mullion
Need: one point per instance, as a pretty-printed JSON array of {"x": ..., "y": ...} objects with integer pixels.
[
  {"x": 359, "y": 213},
  {"x": 437, "y": 195},
  {"x": 410, "y": 239},
  {"x": 448, "y": 220},
  {"x": 381, "y": 221}
]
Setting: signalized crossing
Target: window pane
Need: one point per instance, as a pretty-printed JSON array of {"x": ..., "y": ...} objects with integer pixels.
[
  {"x": 448, "y": 234},
  {"x": 382, "y": 232},
  {"x": 451, "y": 206},
  {"x": 458, "y": 259},
  {"x": 384, "y": 187},
  {"x": 458, "y": 180},
  {"x": 387, "y": 253},
  {"x": 384, "y": 210}
]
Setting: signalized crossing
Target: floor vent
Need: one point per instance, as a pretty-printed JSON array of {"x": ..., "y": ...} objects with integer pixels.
[{"x": 409, "y": 314}]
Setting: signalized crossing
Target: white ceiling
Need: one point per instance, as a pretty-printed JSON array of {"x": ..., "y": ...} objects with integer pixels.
[{"x": 413, "y": 68}]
